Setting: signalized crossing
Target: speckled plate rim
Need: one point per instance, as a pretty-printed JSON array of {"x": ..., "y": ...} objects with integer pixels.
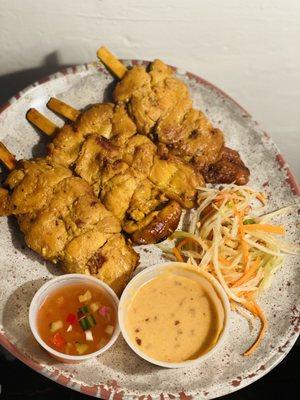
[{"x": 102, "y": 391}]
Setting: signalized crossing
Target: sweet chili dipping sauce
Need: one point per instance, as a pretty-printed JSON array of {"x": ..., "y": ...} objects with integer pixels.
[{"x": 77, "y": 319}]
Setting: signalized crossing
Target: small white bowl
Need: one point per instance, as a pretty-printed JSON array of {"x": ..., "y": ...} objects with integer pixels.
[
  {"x": 53, "y": 285},
  {"x": 147, "y": 275}
]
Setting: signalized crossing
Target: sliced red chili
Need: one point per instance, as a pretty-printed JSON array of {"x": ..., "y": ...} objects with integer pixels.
[{"x": 71, "y": 319}]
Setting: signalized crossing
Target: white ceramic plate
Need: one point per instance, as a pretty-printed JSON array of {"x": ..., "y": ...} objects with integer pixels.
[{"x": 120, "y": 373}]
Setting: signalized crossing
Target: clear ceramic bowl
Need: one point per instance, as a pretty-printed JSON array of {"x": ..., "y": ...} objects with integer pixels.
[
  {"x": 148, "y": 274},
  {"x": 55, "y": 284}
]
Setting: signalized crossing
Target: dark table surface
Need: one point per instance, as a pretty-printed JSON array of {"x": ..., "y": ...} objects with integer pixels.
[{"x": 20, "y": 382}]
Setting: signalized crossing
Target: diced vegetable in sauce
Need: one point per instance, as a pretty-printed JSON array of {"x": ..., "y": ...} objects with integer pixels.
[
  {"x": 81, "y": 348},
  {"x": 109, "y": 329},
  {"x": 71, "y": 319},
  {"x": 89, "y": 336},
  {"x": 83, "y": 310},
  {"x": 58, "y": 340},
  {"x": 71, "y": 327},
  {"x": 87, "y": 322},
  {"x": 85, "y": 297},
  {"x": 104, "y": 311},
  {"x": 55, "y": 326},
  {"x": 95, "y": 306}
]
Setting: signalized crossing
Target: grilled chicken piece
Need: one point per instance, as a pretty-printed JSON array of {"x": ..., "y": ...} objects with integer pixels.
[
  {"x": 71, "y": 211},
  {"x": 96, "y": 152},
  {"x": 5, "y": 206},
  {"x": 145, "y": 199},
  {"x": 160, "y": 227},
  {"x": 138, "y": 203},
  {"x": 201, "y": 143},
  {"x": 151, "y": 96},
  {"x": 111, "y": 262},
  {"x": 139, "y": 153},
  {"x": 119, "y": 183},
  {"x": 67, "y": 143},
  {"x": 32, "y": 184},
  {"x": 66, "y": 223},
  {"x": 230, "y": 168},
  {"x": 177, "y": 180},
  {"x": 123, "y": 127},
  {"x": 102, "y": 120}
]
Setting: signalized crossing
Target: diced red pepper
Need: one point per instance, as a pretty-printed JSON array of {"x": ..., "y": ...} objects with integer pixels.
[
  {"x": 71, "y": 319},
  {"x": 58, "y": 340}
]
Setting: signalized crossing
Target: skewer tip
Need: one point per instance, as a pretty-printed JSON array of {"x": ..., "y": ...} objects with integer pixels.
[
  {"x": 111, "y": 62},
  {"x": 7, "y": 158},
  {"x": 41, "y": 122}
]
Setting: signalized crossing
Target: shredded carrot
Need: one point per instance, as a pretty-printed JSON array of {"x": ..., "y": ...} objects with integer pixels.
[
  {"x": 261, "y": 198},
  {"x": 256, "y": 310},
  {"x": 187, "y": 240},
  {"x": 177, "y": 254},
  {"x": 226, "y": 196},
  {"x": 224, "y": 261},
  {"x": 279, "y": 230},
  {"x": 250, "y": 295},
  {"x": 248, "y": 274}
]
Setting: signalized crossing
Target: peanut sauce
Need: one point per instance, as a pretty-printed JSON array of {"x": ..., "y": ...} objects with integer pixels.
[{"x": 174, "y": 318}]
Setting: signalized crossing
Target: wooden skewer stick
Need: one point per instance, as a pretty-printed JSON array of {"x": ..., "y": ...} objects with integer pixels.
[
  {"x": 63, "y": 109},
  {"x": 41, "y": 122},
  {"x": 111, "y": 62},
  {"x": 7, "y": 158}
]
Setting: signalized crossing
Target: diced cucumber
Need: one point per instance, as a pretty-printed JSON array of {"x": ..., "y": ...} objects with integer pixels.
[
  {"x": 55, "y": 326},
  {"x": 81, "y": 348},
  {"x": 85, "y": 297},
  {"x": 91, "y": 320},
  {"x": 95, "y": 306},
  {"x": 85, "y": 324}
]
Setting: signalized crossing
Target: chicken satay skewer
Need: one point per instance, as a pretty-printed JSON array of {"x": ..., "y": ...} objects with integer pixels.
[
  {"x": 40, "y": 121},
  {"x": 9, "y": 160}
]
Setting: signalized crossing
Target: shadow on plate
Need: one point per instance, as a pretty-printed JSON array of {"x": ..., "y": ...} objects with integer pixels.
[{"x": 14, "y": 82}]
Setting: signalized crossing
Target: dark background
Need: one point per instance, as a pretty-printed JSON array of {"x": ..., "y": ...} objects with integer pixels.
[{"x": 20, "y": 382}]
